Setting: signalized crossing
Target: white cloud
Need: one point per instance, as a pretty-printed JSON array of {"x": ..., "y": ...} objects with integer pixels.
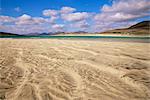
[
  {"x": 75, "y": 16},
  {"x": 128, "y": 6},
  {"x": 24, "y": 24},
  {"x": 28, "y": 20},
  {"x": 58, "y": 26},
  {"x": 6, "y": 19},
  {"x": 39, "y": 20},
  {"x": 121, "y": 11},
  {"x": 24, "y": 20},
  {"x": 81, "y": 24},
  {"x": 52, "y": 19},
  {"x": 53, "y": 14},
  {"x": 124, "y": 10},
  {"x": 50, "y": 12},
  {"x": 25, "y": 17},
  {"x": 116, "y": 17},
  {"x": 66, "y": 10},
  {"x": 25, "y": 29}
]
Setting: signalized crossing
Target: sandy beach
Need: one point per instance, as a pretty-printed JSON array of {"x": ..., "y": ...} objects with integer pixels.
[{"x": 53, "y": 69}]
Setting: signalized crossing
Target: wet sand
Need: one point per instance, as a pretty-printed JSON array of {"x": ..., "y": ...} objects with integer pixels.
[{"x": 52, "y": 69}]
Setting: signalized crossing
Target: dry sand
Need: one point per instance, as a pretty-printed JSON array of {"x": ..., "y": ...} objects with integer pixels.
[{"x": 51, "y": 69}]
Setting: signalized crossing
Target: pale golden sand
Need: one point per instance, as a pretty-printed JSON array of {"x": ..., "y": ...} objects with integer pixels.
[{"x": 51, "y": 69}]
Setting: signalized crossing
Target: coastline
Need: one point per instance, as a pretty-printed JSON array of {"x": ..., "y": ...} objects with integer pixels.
[
  {"x": 105, "y": 34},
  {"x": 94, "y": 37}
]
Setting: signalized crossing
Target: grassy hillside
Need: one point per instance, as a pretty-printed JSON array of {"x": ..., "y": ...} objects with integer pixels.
[
  {"x": 7, "y": 34},
  {"x": 142, "y": 25},
  {"x": 142, "y": 28}
]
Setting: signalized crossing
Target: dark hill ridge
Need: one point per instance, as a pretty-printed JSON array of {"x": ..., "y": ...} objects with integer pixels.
[
  {"x": 7, "y": 34},
  {"x": 142, "y": 28},
  {"x": 141, "y": 25}
]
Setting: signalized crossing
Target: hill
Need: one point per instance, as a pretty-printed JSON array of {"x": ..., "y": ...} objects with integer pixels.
[
  {"x": 7, "y": 34},
  {"x": 141, "y": 25},
  {"x": 142, "y": 28}
]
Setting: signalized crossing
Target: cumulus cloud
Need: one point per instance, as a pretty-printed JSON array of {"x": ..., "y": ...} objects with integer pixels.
[
  {"x": 121, "y": 11},
  {"x": 58, "y": 26},
  {"x": 25, "y": 17},
  {"x": 67, "y": 14},
  {"x": 50, "y": 12},
  {"x": 28, "y": 20},
  {"x": 128, "y": 6},
  {"x": 66, "y": 10},
  {"x": 124, "y": 10},
  {"x": 6, "y": 19},
  {"x": 53, "y": 14},
  {"x": 39, "y": 20},
  {"x": 25, "y": 29},
  {"x": 52, "y": 19},
  {"x": 116, "y": 17},
  {"x": 75, "y": 16},
  {"x": 81, "y": 24},
  {"x": 24, "y": 24}
]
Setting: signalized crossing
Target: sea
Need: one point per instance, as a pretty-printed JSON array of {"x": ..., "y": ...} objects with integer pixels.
[{"x": 145, "y": 39}]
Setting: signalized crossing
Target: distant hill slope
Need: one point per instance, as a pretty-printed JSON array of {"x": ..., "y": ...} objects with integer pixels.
[
  {"x": 142, "y": 28},
  {"x": 141, "y": 25},
  {"x": 7, "y": 34}
]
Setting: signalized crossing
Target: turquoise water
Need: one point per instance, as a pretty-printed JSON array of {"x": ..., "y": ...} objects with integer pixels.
[{"x": 78, "y": 37}]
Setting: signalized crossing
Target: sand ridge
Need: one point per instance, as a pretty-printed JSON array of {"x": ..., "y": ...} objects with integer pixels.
[{"x": 52, "y": 69}]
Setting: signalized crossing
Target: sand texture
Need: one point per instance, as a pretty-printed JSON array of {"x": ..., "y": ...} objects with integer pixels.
[{"x": 51, "y": 69}]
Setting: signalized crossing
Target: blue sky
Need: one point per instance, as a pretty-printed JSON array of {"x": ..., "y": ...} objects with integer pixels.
[
  {"x": 29, "y": 16},
  {"x": 35, "y": 8}
]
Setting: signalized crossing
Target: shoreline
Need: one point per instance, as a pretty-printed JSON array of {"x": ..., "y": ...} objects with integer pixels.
[
  {"x": 132, "y": 35},
  {"x": 77, "y": 36},
  {"x": 109, "y": 38},
  {"x": 87, "y": 39}
]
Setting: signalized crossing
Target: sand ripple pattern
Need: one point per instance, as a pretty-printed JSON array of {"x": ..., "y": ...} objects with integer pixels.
[{"x": 42, "y": 69}]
